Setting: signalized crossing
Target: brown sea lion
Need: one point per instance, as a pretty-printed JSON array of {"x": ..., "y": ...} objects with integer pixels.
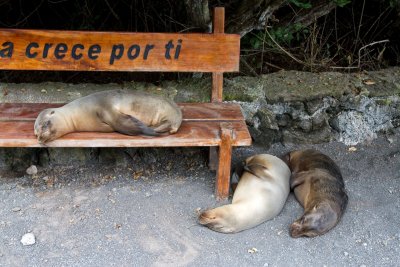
[
  {"x": 318, "y": 186},
  {"x": 260, "y": 195},
  {"x": 124, "y": 111}
]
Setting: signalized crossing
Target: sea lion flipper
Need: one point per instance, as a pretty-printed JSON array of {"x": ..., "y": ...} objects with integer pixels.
[
  {"x": 129, "y": 125},
  {"x": 163, "y": 127}
]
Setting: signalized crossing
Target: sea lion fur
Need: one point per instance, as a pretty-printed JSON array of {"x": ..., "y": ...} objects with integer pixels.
[
  {"x": 259, "y": 196},
  {"x": 124, "y": 111},
  {"x": 319, "y": 187}
]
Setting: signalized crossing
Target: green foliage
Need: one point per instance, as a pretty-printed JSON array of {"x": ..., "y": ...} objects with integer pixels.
[
  {"x": 288, "y": 34},
  {"x": 394, "y": 3},
  {"x": 342, "y": 3},
  {"x": 281, "y": 35},
  {"x": 301, "y": 3}
]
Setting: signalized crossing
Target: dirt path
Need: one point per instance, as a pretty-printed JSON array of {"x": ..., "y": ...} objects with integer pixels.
[{"x": 146, "y": 217}]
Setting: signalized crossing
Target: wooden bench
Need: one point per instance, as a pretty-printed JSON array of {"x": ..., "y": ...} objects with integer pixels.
[{"x": 217, "y": 125}]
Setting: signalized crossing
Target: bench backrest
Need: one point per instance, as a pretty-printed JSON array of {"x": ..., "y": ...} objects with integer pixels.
[{"x": 124, "y": 51}]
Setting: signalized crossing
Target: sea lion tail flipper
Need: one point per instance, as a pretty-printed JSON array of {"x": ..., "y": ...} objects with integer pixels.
[
  {"x": 163, "y": 127},
  {"x": 129, "y": 125}
]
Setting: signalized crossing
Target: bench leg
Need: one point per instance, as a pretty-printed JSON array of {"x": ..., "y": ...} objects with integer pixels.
[{"x": 224, "y": 164}]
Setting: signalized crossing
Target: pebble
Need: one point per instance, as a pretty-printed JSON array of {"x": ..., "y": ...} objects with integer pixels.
[
  {"x": 252, "y": 250},
  {"x": 28, "y": 239},
  {"x": 31, "y": 170},
  {"x": 16, "y": 209},
  {"x": 346, "y": 253},
  {"x": 352, "y": 149}
]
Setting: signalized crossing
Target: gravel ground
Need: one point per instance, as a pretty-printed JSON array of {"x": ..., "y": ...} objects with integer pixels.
[{"x": 146, "y": 215}]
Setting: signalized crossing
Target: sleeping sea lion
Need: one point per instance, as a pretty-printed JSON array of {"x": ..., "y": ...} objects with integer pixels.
[
  {"x": 127, "y": 112},
  {"x": 319, "y": 187},
  {"x": 259, "y": 196}
]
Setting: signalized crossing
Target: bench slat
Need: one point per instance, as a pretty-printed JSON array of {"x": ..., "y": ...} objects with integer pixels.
[
  {"x": 118, "y": 51},
  {"x": 191, "y": 111},
  {"x": 191, "y": 133}
]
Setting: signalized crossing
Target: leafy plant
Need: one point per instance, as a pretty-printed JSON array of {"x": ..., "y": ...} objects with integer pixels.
[
  {"x": 285, "y": 35},
  {"x": 394, "y": 3},
  {"x": 281, "y": 35}
]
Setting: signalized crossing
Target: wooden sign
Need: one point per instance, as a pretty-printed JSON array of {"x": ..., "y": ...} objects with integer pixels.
[{"x": 118, "y": 51}]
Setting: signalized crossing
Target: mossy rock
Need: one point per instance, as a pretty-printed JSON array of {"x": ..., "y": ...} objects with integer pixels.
[
  {"x": 244, "y": 89},
  {"x": 297, "y": 136},
  {"x": 196, "y": 90},
  {"x": 288, "y": 86},
  {"x": 377, "y": 83}
]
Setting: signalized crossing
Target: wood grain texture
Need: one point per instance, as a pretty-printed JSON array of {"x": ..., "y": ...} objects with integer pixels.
[
  {"x": 200, "y": 127},
  {"x": 219, "y": 20},
  {"x": 218, "y": 77},
  {"x": 191, "y": 133},
  {"x": 225, "y": 157},
  {"x": 197, "y": 53},
  {"x": 191, "y": 111},
  {"x": 217, "y": 86}
]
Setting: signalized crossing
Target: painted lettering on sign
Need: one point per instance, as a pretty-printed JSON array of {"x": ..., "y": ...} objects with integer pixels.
[{"x": 78, "y": 51}]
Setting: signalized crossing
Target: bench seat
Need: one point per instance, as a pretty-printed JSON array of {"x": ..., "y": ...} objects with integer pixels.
[{"x": 201, "y": 126}]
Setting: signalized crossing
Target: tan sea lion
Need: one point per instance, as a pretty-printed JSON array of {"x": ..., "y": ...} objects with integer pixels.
[
  {"x": 259, "y": 196},
  {"x": 318, "y": 186},
  {"x": 127, "y": 112}
]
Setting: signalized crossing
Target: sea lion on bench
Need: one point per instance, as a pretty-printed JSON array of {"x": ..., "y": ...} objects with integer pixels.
[
  {"x": 319, "y": 187},
  {"x": 259, "y": 196},
  {"x": 127, "y": 112}
]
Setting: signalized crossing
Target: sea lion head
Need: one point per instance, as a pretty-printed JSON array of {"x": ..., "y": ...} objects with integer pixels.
[
  {"x": 317, "y": 221},
  {"x": 218, "y": 220},
  {"x": 49, "y": 125}
]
